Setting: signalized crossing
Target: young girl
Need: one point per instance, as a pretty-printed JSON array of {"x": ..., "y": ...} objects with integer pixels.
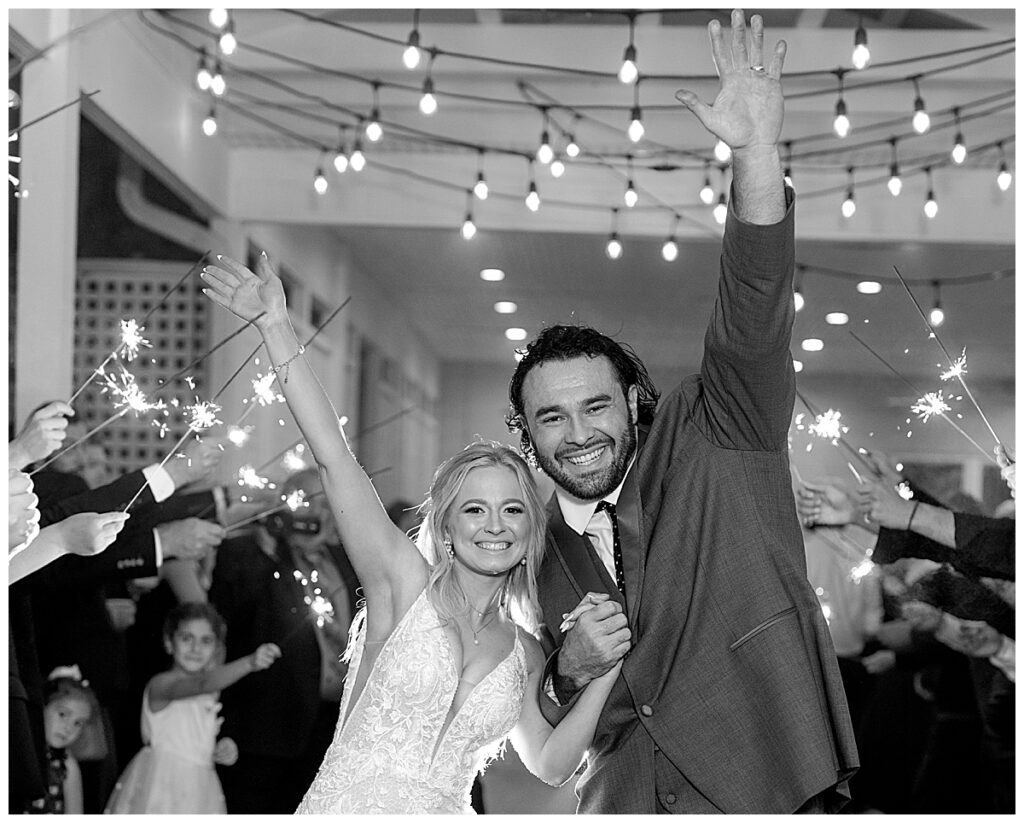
[
  {"x": 174, "y": 772},
  {"x": 70, "y": 704}
]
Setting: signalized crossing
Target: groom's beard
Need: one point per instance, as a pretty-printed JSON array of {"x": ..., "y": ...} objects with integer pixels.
[{"x": 599, "y": 484}]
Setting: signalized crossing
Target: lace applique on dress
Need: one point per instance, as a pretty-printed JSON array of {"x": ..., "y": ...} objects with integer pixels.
[{"x": 393, "y": 753}]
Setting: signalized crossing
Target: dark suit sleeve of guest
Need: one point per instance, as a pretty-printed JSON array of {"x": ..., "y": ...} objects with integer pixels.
[
  {"x": 129, "y": 556},
  {"x": 104, "y": 499},
  {"x": 747, "y": 370},
  {"x": 234, "y": 589},
  {"x": 176, "y": 507},
  {"x": 985, "y": 546}
]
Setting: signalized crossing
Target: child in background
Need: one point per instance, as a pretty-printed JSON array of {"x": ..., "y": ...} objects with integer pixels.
[
  {"x": 174, "y": 772},
  {"x": 70, "y": 704}
]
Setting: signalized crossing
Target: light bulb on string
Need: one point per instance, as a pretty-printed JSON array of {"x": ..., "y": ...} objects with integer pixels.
[
  {"x": 922, "y": 122},
  {"x": 630, "y": 197},
  {"x": 707, "y": 193},
  {"x": 613, "y": 248},
  {"x": 532, "y": 196},
  {"x": 895, "y": 184},
  {"x": 357, "y": 160},
  {"x": 545, "y": 154},
  {"x": 931, "y": 207},
  {"x": 468, "y": 226},
  {"x": 411, "y": 55},
  {"x": 428, "y": 103},
  {"x": 319, "y": 181},
  {"x": 217, "y": 83},
  {"x": 720, "y": 210},
  {"x": 480, "y": 187},
  {"x": 210, "y": 123},
  {"x": 861, "y": 53},
  {"x": 1004, "y": 178},
  {"x": 959, "y": 152},
  {"x": 722, "y": 152},
  {"x": 936, "y": 316},
  {"x": 798, "y": 299},
  {"x": 340, "y": 157},
  {"x": 636, "y": 125},
  {"x": 203, "y": 76},
  {"x": 841, "y": 123},
  {"x": 218, "y": 18},
  {"x": 557, "y": 168},
  {"x": 787, "y": 169},
  {"x": 374, "y": 132},
  {"x": 572, "y": 148},
  {"x": 629, "y": 72},
  {"x": 670, "y": 248},
  {"x": 228, "y": 42},
  {"x": 849, "y": 207}
]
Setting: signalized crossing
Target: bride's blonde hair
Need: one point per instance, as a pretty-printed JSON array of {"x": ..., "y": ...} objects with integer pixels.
[{"x": 519, "y": 595}]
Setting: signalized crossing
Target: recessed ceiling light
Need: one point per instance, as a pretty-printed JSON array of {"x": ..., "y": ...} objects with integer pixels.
[
  {"x": 798, "y": 365},
  {"x": 812, "y": 344},
  {"x": 492, "y": 275},
  {"x": 869, "y": 287},
  {"x": 505, "y": 307},
  {"x": 837, "y": 318},
  {"x": 515, "y": 334}
]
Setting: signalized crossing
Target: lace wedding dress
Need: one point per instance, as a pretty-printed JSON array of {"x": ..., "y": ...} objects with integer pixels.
[{"x": 397, "y": 752}]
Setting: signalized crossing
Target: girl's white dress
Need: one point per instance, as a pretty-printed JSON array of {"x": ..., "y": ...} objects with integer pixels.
[
  {"x": 174, "y": 772},
  {"x": 398, "y": 751}
]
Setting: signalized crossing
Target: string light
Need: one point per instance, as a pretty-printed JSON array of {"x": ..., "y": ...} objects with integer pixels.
[
  {"x": 1004, "y": 178},
  {"x": 629, "y": 72},
  {"x": 959, "y": 153},
  {"x": 936, "y": 316},
  {"x": 841, "y": 124},
  {"x": 895, "y": 184},
  {"x": 557, "y": 168},
  {"x": 707, "y": 194},
  {"x": 210, "y": 123},
  {"x": 722, "y": 152},
  {"x": 636, "y": 126},
  {"x": 798, "y": 295},
  {"x": 532, "y": 197},
  {"x": 572, "y": 148},
  {"x": 411, "y": 55},
  {"x": 357, "y": 160},
  {"x": 931, "y": 207},
  {"x": 428, "y": 103},
  {"x": 922, "y": 122},
  {"x": 228, "y": 42},
  {"x": 631, "y": 198},
  {"x": 545, "y": 154},
  {"x": 203, "y": 76},
  {"x": 340, "y": 158},
  {"x": 670, "y": 249},
  {"x": 468, "y": 226},
  {"x": 849, "y": 207},
  {"x": 218, "y": 18},
  {"x": 721, "y": 210},
  {"x": 787, "y": 171},
  {"x": 319, "y": 181},
  {"x": 374, "y": 132},
  {"x": 614, "y": 247},
  {"x": 480, "y": 187},
  {"x": 861, "y": 53},
  {"x": 217, "y": 83}
]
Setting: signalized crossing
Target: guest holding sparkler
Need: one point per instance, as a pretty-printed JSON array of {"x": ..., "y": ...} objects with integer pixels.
[
  {"x": 174, "y": 772},
  {"x": 288, "y": 581}
]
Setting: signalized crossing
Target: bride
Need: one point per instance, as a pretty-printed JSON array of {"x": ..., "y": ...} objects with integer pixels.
[{"x": 443, "y": 661}]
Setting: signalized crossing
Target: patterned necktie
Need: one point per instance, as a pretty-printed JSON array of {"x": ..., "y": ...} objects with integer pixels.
[{"x": 620, "y": 579}]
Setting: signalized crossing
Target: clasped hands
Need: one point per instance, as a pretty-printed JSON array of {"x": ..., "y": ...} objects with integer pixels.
[{"x": 596, "y": 638}]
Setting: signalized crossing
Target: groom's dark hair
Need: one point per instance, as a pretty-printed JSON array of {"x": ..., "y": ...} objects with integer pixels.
[{"x": 566, "y": 343}]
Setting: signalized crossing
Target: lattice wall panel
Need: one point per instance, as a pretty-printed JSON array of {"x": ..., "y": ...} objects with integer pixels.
[{"x": 179, "y": 333}]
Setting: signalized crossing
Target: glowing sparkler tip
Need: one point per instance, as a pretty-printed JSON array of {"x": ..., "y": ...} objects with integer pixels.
[
  {"x": 932, "y": 403},
  {"x": 828, "y": 426},
  {"x": 296, "y": 499},
  {"x": 248, "y": 476},
  {"x": 132, "y": 339},
  {"x": 202, "y": 415},
  {"x": 239, "y": 435},
  {"x": 263, "y": 389},
  {"x": 958, "y": 368}
]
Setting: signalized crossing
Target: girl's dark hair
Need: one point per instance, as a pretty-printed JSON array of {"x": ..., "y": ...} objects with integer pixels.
[
  {"x": 184, "y": 612},
  {"x": 565, "y": 343},
  {"x": 58, "y": 687}
]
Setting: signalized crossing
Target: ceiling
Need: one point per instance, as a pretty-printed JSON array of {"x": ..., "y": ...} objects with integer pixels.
[{"x": 298, "y": 74}]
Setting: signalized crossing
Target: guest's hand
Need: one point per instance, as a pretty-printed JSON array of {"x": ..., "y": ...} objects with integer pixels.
[
  {"x": 880, "y": 504},
  {"x": 190, "y": 538},
  {"x": 88, "y": 533},
  {"x": 225, "y": 752},
  {"x": 824, "y": 504},
  {"x": 597, "y": 636},
  {"x": 880, "y": 661},
  {"x": 42, "y": 435},
  {"x": 22, "y": 510},
  {"x": 245, "y": 293},
  {"x": 747, "y": 113},
  {"x": 264, "y": 656},
  {"x": 922, "y": 616},
  {"x": 197, "y": 460},
  {"x": 1007, "y": 468},
  {"x": 122, "y": 612},
  {"x": 974, "y": 638},
  {"x": 883, "y": 469}
]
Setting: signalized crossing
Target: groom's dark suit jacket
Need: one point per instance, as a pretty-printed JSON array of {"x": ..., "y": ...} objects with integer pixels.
[{"x": 730, "y": 698}]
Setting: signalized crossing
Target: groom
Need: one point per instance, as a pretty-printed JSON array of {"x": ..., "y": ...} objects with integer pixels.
[{"x": 730, "y": 698}]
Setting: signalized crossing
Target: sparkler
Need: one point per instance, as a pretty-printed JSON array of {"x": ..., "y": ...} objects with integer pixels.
[
  {"x": 932, "y": 403},
  {"x": 916, "y": 390},
  {"x": 127, "y": 347},
  {"x": 958, "y": 368},
  {"x": 954, "y": 371},
  {"x": 827, "y": 425},
  {"x": 202, "y": 357}
]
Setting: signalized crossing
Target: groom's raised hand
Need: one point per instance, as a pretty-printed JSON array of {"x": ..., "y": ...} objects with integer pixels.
[{"x": 596, "y": 637}]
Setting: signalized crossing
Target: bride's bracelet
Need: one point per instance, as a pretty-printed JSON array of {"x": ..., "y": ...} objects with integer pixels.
[{"x": 276, "y": 369}]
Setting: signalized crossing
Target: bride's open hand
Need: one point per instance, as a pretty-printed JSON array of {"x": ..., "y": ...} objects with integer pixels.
[{"x": 247, "y": 294}]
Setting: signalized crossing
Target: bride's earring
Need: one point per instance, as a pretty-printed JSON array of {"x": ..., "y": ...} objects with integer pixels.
[
  {"x": 523, "y": 561},
  {"x": 449, "y": 547}
]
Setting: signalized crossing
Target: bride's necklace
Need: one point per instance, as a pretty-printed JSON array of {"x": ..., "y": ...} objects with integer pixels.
[{"x": 484, "y": 625}]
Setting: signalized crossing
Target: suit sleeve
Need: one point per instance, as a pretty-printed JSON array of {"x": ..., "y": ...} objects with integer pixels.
[
  {"x": 747, "y": 370},
  {"x": 104, "y": 499}
]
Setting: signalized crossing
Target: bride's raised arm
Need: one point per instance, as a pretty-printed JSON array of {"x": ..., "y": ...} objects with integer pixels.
[{"x": 382, "y": 556}]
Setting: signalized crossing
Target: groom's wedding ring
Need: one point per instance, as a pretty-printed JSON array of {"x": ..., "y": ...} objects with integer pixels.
[{"x": 757, "y": 68}]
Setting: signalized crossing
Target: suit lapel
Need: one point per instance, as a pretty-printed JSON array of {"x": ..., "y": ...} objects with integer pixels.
[
  {"x": 577, "y": 556},
  {"x": 627, "y": 511}
]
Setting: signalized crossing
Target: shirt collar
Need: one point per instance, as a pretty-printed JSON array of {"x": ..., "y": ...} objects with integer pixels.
[{"x": 577, "y": 512}]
